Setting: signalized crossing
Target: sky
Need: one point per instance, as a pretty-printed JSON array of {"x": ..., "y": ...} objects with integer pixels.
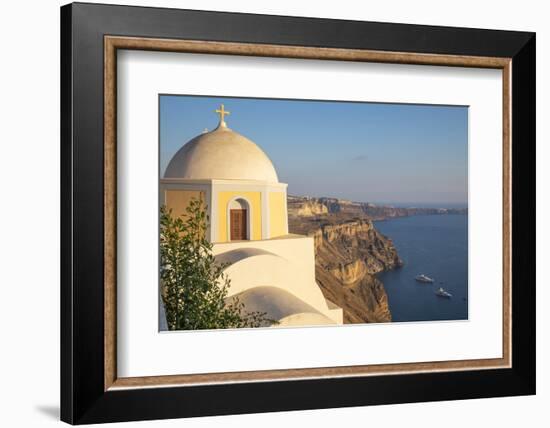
[{"x": 400, "y": 154}]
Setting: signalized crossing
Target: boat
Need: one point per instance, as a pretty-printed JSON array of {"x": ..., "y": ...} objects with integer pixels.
[
  {"x": 442, "y": 293},
  {"x": 424, "y": 278}
]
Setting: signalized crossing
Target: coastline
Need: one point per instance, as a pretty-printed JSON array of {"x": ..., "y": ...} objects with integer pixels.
[{"x": 353, "y": 254}]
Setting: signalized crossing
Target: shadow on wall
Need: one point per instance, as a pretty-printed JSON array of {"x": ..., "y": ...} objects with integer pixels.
[{"x": 50, "y": 411}]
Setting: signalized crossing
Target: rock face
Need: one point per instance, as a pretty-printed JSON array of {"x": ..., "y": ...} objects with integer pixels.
[
  {"x": 349, "y": 251},
  {"x": 348, "y": 254},
  {"x": 302, "y": 207},
  {"x": 306, "y": 206}
]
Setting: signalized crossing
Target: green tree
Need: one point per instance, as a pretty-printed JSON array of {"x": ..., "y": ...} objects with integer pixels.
[{"x": 194, "y": 287}]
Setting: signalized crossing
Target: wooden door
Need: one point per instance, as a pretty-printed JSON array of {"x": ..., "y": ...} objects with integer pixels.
[{"x": 238, "y": 225}]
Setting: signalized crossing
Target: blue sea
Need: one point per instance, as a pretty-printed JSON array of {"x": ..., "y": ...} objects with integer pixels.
[{"x": 434, "y": 245}]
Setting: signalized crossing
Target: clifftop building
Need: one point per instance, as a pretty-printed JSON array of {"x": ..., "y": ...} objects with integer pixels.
[{"x": 271, "y": 270}]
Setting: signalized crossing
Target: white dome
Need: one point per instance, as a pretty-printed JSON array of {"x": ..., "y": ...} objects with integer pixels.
[{"x": 221, "y": 154}]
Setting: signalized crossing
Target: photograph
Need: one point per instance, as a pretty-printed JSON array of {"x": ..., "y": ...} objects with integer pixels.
[
  {"x": 278, "y": 210},
  {"x": 297, "y": 213}
]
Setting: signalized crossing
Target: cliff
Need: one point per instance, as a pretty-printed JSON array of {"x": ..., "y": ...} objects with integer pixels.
[
  {"x": 349, "y": 251},
  {"x": 348, "y": 254},
  {"x": 306, "y": 206}
]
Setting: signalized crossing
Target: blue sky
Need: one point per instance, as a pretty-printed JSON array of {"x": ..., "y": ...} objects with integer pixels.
[{"x": 386, "y": 153}]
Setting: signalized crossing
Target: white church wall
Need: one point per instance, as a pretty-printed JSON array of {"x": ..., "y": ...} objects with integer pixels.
[{"x": 287, "y": 263}]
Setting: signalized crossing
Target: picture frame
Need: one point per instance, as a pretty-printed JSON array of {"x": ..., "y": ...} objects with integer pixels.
[{"x": 91, "y": 391}]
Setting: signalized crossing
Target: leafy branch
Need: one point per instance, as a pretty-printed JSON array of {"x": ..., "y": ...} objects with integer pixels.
[{"x": 194, "y": 287}]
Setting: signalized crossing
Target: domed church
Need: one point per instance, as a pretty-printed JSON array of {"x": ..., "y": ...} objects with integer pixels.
[{"x": 270, "y": 270}]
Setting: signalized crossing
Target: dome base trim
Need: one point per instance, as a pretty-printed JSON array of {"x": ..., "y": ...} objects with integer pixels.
[{"x": 276, "y": 185}]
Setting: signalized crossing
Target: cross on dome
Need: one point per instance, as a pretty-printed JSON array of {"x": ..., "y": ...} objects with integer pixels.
[{"x": 222, "y": 112}]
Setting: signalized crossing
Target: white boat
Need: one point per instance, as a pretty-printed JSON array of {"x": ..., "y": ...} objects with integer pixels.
[
  {"x": 424, "y": 278},
  {"x": 442, "y": 293}
]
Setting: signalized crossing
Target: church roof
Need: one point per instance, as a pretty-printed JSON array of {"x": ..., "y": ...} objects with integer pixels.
[
  {"x": 279, "y": 305},
  {"x": 221, "y": 154}
]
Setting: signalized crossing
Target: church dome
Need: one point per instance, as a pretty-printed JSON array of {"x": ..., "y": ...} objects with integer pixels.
[{"x": 221, "y": 154}]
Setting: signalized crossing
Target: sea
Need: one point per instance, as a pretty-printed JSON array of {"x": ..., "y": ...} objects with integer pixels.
[{"x": 434, "y": 245}]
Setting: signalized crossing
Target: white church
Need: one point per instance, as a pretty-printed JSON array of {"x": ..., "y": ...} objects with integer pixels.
[{"x": 270, "y": 270}]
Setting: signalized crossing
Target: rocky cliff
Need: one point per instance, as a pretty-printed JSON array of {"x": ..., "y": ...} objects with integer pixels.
[
  {"x": 349, "y": 251},
  {"x": 307, "y": 206},
  {"x": 348, "y": 254}
]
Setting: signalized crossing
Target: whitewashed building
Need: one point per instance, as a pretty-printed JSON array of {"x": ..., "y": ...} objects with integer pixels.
[{"x": 271, "y": 270}]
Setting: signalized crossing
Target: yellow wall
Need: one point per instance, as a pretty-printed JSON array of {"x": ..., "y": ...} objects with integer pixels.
[
  {"x": 277, "y": 214},
  {"x": 178, "y": 200},
  {"x": 255, "y": 200}
]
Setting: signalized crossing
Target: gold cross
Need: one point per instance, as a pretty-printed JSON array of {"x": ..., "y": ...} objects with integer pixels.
[{"x": 222, "y": 112}]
